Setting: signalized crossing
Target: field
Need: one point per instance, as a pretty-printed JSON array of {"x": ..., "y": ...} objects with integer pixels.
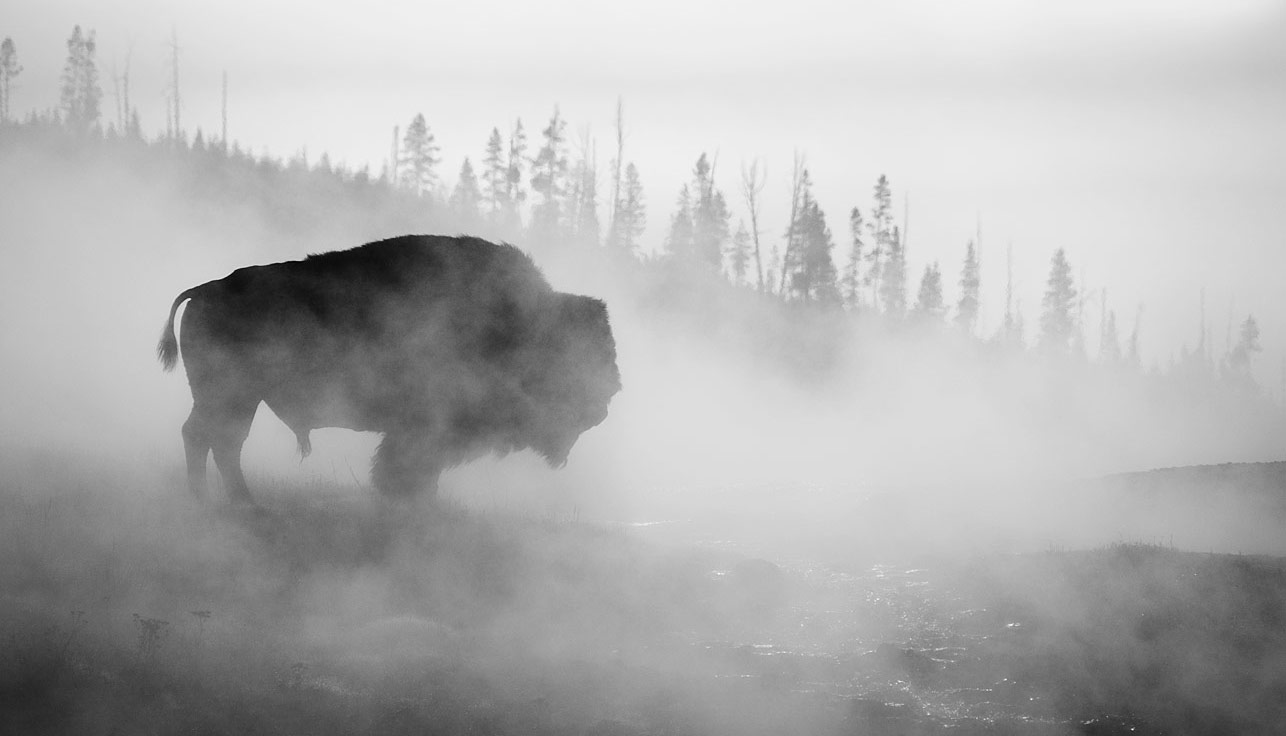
[
  {"x": 129, "y": 608},
  {"x": 793, "y": 521}
]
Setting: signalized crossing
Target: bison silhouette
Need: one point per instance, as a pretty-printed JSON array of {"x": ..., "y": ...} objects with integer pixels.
[{"x": 452, "y": 347}]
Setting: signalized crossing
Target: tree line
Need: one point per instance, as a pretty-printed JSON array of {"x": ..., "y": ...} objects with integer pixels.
[{"x": 549, "y": 197}]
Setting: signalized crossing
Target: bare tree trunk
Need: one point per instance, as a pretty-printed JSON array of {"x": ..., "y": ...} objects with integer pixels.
[
  {"x": 612, "y": 222},
  {"x": 174, "y": 59},
  {"x": 797, "y": 183},
  {"x": 129, "y": 113},
  {"x": 116, "y": 99},
  {"x": 751, "y": 186},
  {"x": 392, "y": 162},
  {"x": 223, "y": 134}
]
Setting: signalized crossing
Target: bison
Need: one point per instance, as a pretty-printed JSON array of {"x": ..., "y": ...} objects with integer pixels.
[{"x": 452, "y": 347}]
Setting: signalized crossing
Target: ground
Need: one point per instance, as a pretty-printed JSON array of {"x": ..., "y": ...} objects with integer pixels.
[{"x": 136, "y": 610}]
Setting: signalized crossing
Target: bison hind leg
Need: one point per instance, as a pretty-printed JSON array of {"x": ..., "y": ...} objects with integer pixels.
[
  {"x": 196, "y": 445},
  {"x": 405, "y": 465},
  {"x": 303, "y": 437},
  {"x": 219, "y": 426}
]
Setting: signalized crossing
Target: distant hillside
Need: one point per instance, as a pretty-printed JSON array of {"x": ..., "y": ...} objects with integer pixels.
[{"x": 1267, "y": 478}]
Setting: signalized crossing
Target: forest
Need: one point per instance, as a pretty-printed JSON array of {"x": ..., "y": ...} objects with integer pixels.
[{"x": 544, "y": 193}]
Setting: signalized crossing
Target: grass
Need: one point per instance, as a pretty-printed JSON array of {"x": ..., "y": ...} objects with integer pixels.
[
  {"x": 128, "y": 608},
  {"x": 331, "y": 613}
]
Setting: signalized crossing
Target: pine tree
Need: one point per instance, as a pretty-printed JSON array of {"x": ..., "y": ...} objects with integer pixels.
[
  {"x": 80, "y": 94},
  {"x": 739, "y": 254},
  {"x": 631, "y": 217},
  {"x": 511, "y": 220},
  {"x": 709, "y": 216},
  {"x": 9, "y": 69},
  {"x": 967, "y": 307},
  {"x": 851, "y": 282},
  {"x": 679, "y": 241},
  {"x": 812, "y": 271},
  {"x": 1132, "y": 352},
  {"x": 584, "y": 225},
  {"x": 548, "y": 179},
  {"x": 1057, "y": 319},
  {"x": 466, "y": 198},
  {"x": 772, "y": 269},
  {"x": 1242, "y": 355},
  {"x": 929, "y": 307},
  {"x": 1011, "y": 328},
  {"x": 893, "y": 279},
  {"x": 1109, "y": 349},
  {"x": 495, "y": 178},
  {"x": 881, "y": 230},
  {"x": 134, "y": 130},
  {"x": 818, "y": 263},
  {"x": 418, "y": 164}
]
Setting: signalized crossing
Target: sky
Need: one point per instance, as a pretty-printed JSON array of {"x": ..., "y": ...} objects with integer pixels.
[{"x": 1143, "y": 137}]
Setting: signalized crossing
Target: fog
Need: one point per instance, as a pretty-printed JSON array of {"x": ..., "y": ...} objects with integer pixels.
[
  {"x": 767, "y": 478},
  {"x": 794, "y": 519}
]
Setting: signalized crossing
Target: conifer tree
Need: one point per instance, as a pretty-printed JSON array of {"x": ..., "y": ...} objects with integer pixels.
[
  {"x": 881, "y": 230},
  {"x": 709, "y": 216},
  {"x": 1132, "y": 352},
  {"x": 631, "y": 216},
  {"x": 772, "y": 269},
  {"x": 466, "y": 198},
  {"x": 511, "y": 221},
  {"x": 495, "y": 177},
  {"x": 583, "y": 224},
  {"x": 851, "y": 281},
  {"x": 812, "y": 276},
  {"x": 1010, "y": 334},
  {"x": 1057, "y": 319},
  {"x": 1109, "y": 349},
  {"x": 1242, "y": 354},
  {"x": 80, "y": 95},
  {"x": 929, "y": 307},
  {"x": 818, "y": 264},
  {"x": 893, "y": 278},
  {"x": 739, "y": 254},
  {"x": 679, "y": 240},
  {"x": 1018, "y": 334},
  {"x": 967, "y": 307},
  {"x": 548, "y": 179},
  {"x": 9, "y": 69},
  {"x": 418, "y": 163}
]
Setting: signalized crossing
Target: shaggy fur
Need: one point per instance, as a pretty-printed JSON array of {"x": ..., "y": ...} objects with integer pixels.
[{"x": 451, "y": 347}]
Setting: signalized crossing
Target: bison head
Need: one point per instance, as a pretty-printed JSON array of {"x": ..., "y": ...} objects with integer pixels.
[{"x": 574, "y": 376}]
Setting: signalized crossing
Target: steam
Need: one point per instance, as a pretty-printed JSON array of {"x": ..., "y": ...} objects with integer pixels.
[{"x": 823, "y": 443}]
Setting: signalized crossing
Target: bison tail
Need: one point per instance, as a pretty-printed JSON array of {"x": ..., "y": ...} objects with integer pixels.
[{"x": 167, "y": 350}]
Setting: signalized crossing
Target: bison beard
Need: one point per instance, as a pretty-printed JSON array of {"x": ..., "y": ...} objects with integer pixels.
[{"x": 451, "y": 347}]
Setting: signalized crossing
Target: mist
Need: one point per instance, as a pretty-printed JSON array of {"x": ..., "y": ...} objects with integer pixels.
[{"x": 793, "y": 519}]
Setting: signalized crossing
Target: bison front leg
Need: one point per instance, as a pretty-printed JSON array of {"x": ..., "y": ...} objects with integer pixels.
[{"x": 406, "y": 464}]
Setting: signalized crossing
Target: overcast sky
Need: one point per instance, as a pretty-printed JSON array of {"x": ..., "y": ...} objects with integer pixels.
[{"x": 1144, "y": 137}]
